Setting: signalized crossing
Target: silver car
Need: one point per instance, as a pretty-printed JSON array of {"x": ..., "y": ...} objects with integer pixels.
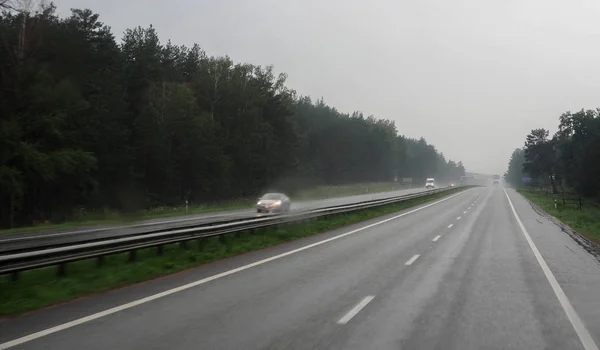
[{"x": 273, "y": 203}]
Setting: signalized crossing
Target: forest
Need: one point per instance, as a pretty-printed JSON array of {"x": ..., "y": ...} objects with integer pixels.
[
  {"x": 570, "y": 159},
  {"x": 91, "y": 121}
]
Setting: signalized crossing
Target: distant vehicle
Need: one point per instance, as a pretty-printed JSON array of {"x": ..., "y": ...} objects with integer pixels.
[
  {"x": 430, "y": 183},
  {"x": 451, "y": 185},
  {"x": 273, "y": 203},
  {"x": 496, "y": 178}
]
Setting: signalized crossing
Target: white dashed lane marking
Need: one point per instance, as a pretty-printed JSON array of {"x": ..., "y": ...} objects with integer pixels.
[
  {"x": 355, "y": 310},
  {"x": 412, "y": 260}
]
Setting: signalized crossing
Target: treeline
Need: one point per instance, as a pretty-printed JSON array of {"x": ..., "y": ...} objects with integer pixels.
[
  {"x": 570, "y": 158},
  {"x": 89, "y": 122}
]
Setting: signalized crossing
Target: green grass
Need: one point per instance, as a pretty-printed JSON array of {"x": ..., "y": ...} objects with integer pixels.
[
  {"x": 114, "y": 218},
  {"x": 39, "y": 288},
  {"x": 585, "y": 221},
  {"x": 322, "y": 192}
]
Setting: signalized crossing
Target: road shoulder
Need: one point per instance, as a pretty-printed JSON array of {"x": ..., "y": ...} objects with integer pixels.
[{"x": 570, "y": 258}]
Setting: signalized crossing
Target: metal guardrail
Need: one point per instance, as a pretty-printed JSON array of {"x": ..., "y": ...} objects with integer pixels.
[{"x": 15, "y": 262}]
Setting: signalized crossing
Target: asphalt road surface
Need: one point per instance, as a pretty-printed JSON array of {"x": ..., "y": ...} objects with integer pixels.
[
  {"x": 66, "y": 236},
  {"x": 464, "y": 272}
]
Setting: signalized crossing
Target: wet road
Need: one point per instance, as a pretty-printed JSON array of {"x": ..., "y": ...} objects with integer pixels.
[{"x": 479, "y": 269}]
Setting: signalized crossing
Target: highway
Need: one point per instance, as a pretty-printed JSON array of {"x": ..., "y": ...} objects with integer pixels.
[
  {"x": 63, "y": 236},
  {"x": 480, "y": 269}
]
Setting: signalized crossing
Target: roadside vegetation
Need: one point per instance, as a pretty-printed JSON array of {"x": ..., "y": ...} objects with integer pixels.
[
  {"x": 585, "y": 220},
  {"x": 91, "y": 123},
  {"x": 39, "y": 288},
  {"x": 565, "y": 167},
  {"x": 569, "y": 161}
]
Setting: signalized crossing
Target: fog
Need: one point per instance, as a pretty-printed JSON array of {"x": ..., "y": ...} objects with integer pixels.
[{"x": 473, "y": 77}]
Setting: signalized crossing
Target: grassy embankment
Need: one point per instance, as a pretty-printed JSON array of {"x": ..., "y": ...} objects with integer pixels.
[
  {"x": 115, "y": 218},
  {"x": 39, "y": 288},
  {"x": 585, "y": 221}
]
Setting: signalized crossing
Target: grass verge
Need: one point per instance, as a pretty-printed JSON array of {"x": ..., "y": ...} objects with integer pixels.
[
  {"x": 114, "y": 218},
  {"x": 324, "y": 192},
  {"x": 39, "y": 288},
  {"x": 585, "y": 221}
]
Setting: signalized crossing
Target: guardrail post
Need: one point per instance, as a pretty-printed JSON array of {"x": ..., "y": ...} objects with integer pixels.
[
  {"x": 100, "y": 261},
  {"x": 160, "y": 250},
  {"x": 200, "y": 242},
  {"x": 132, "y": 255},
  {"x": 62, "y": 270},
  {"x": 183, "y": 245},
  {"x": 14, "y": 276}
]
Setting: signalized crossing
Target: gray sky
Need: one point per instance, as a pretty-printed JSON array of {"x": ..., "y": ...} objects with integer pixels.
[{"x": 471, "y": 76}]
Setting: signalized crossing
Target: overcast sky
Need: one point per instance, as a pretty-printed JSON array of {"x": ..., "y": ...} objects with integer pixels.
[{"x": 471, "y": 76}]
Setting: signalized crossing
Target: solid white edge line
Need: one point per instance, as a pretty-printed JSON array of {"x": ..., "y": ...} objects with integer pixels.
[
  {"x": 147, "y": 299},
  {"x": 436, "y": 238},
  {"x": 355, "y": 310},
  {"x": 412, "y": 260},
  {"x": 450, "y": 226},
  {"x": 584, "y": 336}
]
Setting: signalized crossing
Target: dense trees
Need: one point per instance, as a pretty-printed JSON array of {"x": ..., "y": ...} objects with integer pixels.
[
  {"x": 578, "y": 151},
  {"x": 514, "y": 175},
  {"x": 540, "y": 158},
  {"x": 88, "y": 122},
  {"x": 571, "y": 157}
]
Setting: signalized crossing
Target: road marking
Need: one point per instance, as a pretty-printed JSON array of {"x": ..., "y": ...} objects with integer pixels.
[
  {"x": 458, "y": 218},
  {"x": 150, "y": 298},
  {"x": 436, "y": 238},
  {"x": 584, "y": 336},
  {"x": 450, "y": 226},
  {"x": 355, "y": 310},
  {"x": 464, "y": 212},
  {"x": 412, "y": 260}
]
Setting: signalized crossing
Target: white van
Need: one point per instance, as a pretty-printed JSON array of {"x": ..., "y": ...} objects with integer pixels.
[{"x": 430, "y": 183}]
